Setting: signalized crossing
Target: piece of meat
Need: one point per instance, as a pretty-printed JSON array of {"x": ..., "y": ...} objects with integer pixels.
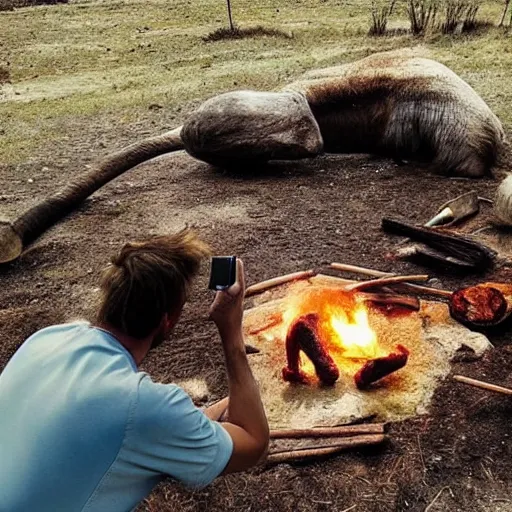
[
  {"x": 303, "y": 335},
  {"x": 376, "y": 369},
  {"x": 483, "y": 304}
]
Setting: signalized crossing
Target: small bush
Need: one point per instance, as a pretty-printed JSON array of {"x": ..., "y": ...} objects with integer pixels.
[
  {"x": 502, "y": 21},
  {"x": 460, "y": 16},
  {"x": 379, "y": 19},
  {"x": 242, "y": 33},
  {"x": 422, "y": 15}
]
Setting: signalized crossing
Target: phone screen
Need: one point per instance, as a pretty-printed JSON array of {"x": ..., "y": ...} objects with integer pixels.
[{"x": 223, "y": 272}]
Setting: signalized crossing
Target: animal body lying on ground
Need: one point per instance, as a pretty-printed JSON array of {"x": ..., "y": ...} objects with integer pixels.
[
  {"x": 393, "y": 104},
  {"x": 405, "y": 107}
]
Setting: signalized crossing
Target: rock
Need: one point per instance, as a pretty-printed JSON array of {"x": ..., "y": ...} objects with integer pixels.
[
  {"x": 503, "y": 201},
  {"x": 249, "y": 127}
]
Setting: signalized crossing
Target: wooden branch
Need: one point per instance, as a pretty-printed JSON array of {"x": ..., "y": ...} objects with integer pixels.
[
  {"x": 482, "y": 384},
  {"x": 313, "y": 453},
  {"x": 389, "y": 299},
  {"x": 277, "y": 281},
  {"x": 360, "y": 270},
  {"x": 423, "y": 255},
  {"x": 384, "y": 281},
  {"x": 507, "y": 2},
  {"x": 431, "y": 504},
  {"x": 452, "y": 244},
  {"x": 274, "y": 320},
  {"x": 345, "y": 430},
  {"x": 378, "y": 273}
]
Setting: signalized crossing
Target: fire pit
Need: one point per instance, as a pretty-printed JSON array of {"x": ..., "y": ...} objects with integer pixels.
[
  {"x": 328, "y": 356},
  {"x": 331, "y": 327}
]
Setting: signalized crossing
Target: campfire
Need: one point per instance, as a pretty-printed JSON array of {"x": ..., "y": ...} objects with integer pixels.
[
  {"x": 327, "y": 330},
  {"x": 333, "y": 338}
]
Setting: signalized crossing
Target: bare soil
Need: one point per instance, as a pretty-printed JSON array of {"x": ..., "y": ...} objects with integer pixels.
[{"x": 279, "y": 219}]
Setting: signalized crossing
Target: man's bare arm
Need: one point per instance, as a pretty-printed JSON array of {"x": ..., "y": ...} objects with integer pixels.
[
  {"x": 247, "y": 425},
  {"x": 216, "y": 411}
]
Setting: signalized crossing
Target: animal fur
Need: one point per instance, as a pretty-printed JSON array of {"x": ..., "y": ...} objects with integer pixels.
[{"x": 407, "y": 107}]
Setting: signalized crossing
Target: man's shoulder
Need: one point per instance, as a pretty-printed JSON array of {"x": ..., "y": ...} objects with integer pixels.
[
  {"x": 153, "y": 395},
  {"x": 159, "y": 405},
  {"x": 64, "y": 330},
  {"x": 62, "y": 327}
]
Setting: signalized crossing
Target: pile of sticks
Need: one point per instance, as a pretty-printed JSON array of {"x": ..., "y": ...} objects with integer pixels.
[
  {"x": 339, "y": 439},
  {"x": 383, "y": 279}
]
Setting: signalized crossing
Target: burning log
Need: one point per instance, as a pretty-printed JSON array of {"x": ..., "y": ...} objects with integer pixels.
[
  {"x": 483, "y": 305},
  {"x": 303, "y": 335},
  {"x": 376, "y": 369}
]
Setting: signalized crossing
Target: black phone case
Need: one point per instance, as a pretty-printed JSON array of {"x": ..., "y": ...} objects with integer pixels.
[{"x": 222, "y": 273}]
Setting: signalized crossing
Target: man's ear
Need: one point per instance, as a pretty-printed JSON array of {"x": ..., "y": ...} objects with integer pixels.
[{"x": 171, "y": 319}]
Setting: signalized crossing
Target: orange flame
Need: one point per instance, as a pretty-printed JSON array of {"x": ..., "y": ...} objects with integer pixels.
[{"x": 344, "y": 326}]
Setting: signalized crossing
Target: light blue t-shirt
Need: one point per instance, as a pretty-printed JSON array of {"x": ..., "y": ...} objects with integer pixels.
[{"x": 82, "y": 430}]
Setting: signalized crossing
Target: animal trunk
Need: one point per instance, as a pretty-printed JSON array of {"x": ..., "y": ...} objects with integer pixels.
[{"x": 30, "y": 225}]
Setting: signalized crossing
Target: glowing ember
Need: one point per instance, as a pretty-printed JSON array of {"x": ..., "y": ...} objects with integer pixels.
[
  {"x": 356, "y": 338},
  {"x": 343, "y": 327}
]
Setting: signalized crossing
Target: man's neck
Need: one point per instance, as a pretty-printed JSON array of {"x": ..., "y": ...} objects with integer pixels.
[{"x": 138, "y": 348}]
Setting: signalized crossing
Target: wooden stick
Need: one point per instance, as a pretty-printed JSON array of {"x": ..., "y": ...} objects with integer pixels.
[
  {"x": 274, "y": 320},
  {"x": 378, "y": 273},
  {"x": 383, "y": 281},
  {"x": 276, "y": 281},
  {"x": 345, "y": 430},
  {"x": 312, "y": 453},
  {"x": 337, "y": 445},
  {"x": 361, "y": 270},
  {"x": 453, "y": 244},
  {"x": 427, "y": 256},
  {"x": 431, "y": 504},
  {"x": 483, "y": 385},
  {"x": 391, "y": 299}
]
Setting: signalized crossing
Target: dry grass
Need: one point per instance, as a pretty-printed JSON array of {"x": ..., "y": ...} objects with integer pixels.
[
  {"x": 4, "y": 75},
  {"x": 71, "y": 63},
  {"x": 9, "y": 5},
  {"x": 245, "y": 32}
]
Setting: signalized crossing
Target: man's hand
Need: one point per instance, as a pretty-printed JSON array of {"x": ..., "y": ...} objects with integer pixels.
[
  {"x": 246, "y": 422},
  {"x": 228, "y": 306}
]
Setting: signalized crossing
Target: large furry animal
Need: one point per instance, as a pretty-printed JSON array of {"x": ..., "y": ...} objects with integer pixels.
[
  {"x": 405, "y": 107},
  {"x": 394, "y": 104}
]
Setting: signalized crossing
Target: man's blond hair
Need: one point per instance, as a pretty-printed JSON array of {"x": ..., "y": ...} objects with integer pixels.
[{"x": 146, "y": 280}]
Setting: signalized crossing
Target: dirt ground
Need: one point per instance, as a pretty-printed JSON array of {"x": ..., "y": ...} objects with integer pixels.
[{"x": 284, "y": 218}]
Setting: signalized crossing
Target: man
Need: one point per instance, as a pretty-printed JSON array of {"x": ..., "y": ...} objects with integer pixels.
[{"x": 81, "y": 429}]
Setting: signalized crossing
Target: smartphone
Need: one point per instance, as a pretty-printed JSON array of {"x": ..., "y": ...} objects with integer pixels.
[{"x": 222, "y": 272}]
